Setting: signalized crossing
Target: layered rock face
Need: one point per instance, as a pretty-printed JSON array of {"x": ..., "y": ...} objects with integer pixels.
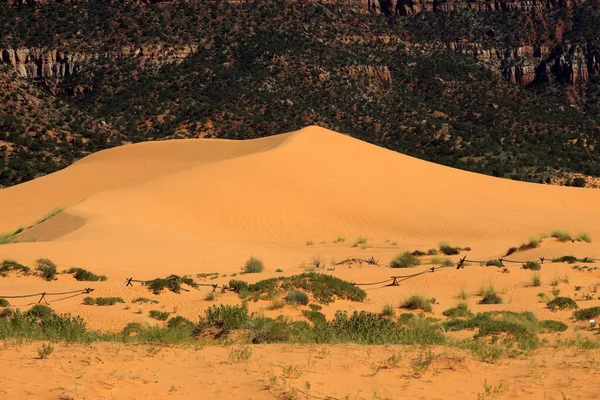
[
  {"x": 571, "y": 64},
  {"x": 38, "y": 63},
  {"x": 409, "y": 7}
]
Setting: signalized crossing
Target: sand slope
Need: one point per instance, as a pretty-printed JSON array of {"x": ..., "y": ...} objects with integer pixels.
[{"x": 211, "y": 202}]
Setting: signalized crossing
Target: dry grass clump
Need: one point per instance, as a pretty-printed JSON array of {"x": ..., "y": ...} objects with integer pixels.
[
  {"x": 417, "y": 302},
  {"x": 405, "y": 260}
]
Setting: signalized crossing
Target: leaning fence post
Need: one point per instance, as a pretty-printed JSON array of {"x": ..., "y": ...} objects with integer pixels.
[
  {"x": 542, "y": 259},
  {"x": 395, "y": 283},
  {"x": 128, "y": 283},
  {"x": 461, "y": 263},
  {"x": 214, "y": 286},
  {"x": 43, "y": 298}
]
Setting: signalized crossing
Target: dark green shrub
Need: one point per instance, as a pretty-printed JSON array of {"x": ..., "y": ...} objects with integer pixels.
[
  {"x": 418, "y": 253},
  {"x": 179, "y": 322},
  {"x": 144, "y": 300},
  {"x": 405, "y": 260},
  {"x": 461, "y": 310},
  {"x": 159, "y": 315},
  {"x": 47, "y": 269},
  {"x": 449, "y": 250},
  {"x": 102, "y": 301},
  {"x": 549, "y": 325},
  {"x": 417, "y": 302},
  {"x": 10, "y": 265},
  {"x": 315, "y": 307},
  {"x": 490, "y": 296},
  {"x": 226, "y": 317},
  {"x": 495, "y": 263},
  {"x": 238, "y": 286},
  {"x": 510, "y": 251},
  {"x": 171, "y": 282},
  {"x": 532, "y": 265},
  {"x": 7, "y": 313},
  {"x": 432, "y": 252},
  {"x": 567, "y": 259},
  {"x": 586, "y": 313},
  {"x": 562, "y": 303},
  {"x": 315, "y": 316},
  {"x": 86, "y": 276},
  {"x": 295, "y": 297},
  {"x": 253, "y": 266},
  {"x": 4, "y": 302}
]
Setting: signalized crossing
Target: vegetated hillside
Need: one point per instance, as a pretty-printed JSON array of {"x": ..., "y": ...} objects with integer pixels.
[
  {"x": 507, "y": 93},
  {"x": 40, "y": 133}
]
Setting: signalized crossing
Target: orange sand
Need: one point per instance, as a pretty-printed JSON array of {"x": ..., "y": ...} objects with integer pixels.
[{"x": 195, "y": 206}]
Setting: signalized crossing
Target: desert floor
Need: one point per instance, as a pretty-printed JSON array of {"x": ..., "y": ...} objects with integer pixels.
[{"x": 189, "y": 207}]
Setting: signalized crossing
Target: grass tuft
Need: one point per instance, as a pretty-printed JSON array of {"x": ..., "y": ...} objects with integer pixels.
[
  {"x": 532, "y": 265},
  {"x": 490, "y": 296},
  {"x": 253, "y": 266},
  {"x": 405, "y": 260},
  {"x": 461, "y": 310},
  {"x": 584, "y": 237},
  {"x": 47, "y": 269},
  {"x": 159, "y": 315},
  {"x": 562, "y": 236},
  {"x": 417, "y": 302}
]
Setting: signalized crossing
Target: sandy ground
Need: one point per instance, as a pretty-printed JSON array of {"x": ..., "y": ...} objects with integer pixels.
[
  {"x": 197, "y": 206},
  {"x": 110, "y": 371}
]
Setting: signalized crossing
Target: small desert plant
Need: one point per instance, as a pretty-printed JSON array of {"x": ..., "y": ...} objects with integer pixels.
[
  {"x": 159, "y": 315},
  {"x": 81, "y": 274},
  {"x": 211, "y": 296},
  {"x": 511, "y": 251},
  {"x": 309, "y": 243},
  {"x": 405, "y": 260},
  {"x": 276, "y": 304},
  {"x": 490, "y": 296},
  {"x": 102, "y": 301},
  {"x": 562, "y": 303},
  {"x": 278, "y": 270},
  {"x": 440, "y": 261},
  {"x": 388, "y": 310},
  {"x": 171, "y": 282},
  {"x": 586, "y": 313},
  {"x": 10, "y": 265},
  {"x": 295, "y": 297},
  {"x": 432, "y": 252},
  {"x": 360, "y": 241},
  {"x": 562, "y": 236},
  {"x": 253, "y": 266},
  {"x": 45, "y": 350},
  {"x": 144, "y": 300},
  {"x": 240, "y": 354},
  {"x": 532, "y": 244},
  {"x": 496, "y": 263},
  {"x": 4, "y": 302},
  {"x": 47, "y": 269},
  {"x": 532, "y": 265},
  {"x": 339, "y": 239},
  {"x": 449, "y": 250},
  {"x": 536, "y": 280},
  {"x": 461, "y": 310},
  {"x": 584, "y": 237},
  {"x": 418, "y": 253},
  {"x": 463, "y": 294},
  {"x": 179, "y": 322},
  {"x": 417, "y": 302}
]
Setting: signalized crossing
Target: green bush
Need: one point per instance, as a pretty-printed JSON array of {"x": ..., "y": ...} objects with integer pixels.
[
  {"x": 179, "y": 322},
  {"x": 584, "y": 237},
  {"x": 314, "y": 316},
  {"x": 238, "y": 286},
  {"x": 171, "y": 282},
  {"x": 144, "y": 300},
  {"x": 553, "y": 326},
  {"x": 511, "y": 251},
  {"x": 226, "y": 317},
  {"x": 495, "y": 263},
  {"x": 449, "y": 250},
  {"x": 561, "y": 303},
  {"x": 536, "y": 280},
  {"x": 432, "y": 252},
  {"x": 102, "y": 301},
  {"x": 405, "y": 260},
  {"x": 10, "y": 265},
  {"x": 490, "y": 296},
  {"x": 532, "y": 265},
  {"x": 461, "y": 310},
  {"x": 567, "y": 259},
  {"x": 4, "y": 302},
  {"x": 295, "y": 297},
  {"x": 84, "y": 275},
  {"x": 417, "y": 302},
  {"x": 562, "y": 236},
  {"x": 253, "y": 266},
  {"x": 159, "y": 315},
  {"x": 586, "y": 313},
  {"x": 418, "y": 253},
  {"x": 47, "y": 269}
]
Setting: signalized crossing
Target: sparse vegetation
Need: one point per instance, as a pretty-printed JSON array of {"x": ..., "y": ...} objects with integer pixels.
[
  {"x": 562, "y": 303},
  {"x": 81, "y": 274},
  {"x": 449, "y": 250},
  {"x": 10, "y": 265},
  {"x": 360, "y": 241},
  {"x": 562, "y": 236},
  {"x": 45, "y": 350},
  {"x": 461, "y": 310},
  {"x": 584, "y": 237},
  {"x": 536, "y": 280},
  {"x": 102, "y": 301},
  {"x": 417, "y": 302},
  {"x": 490, "y": 296},
  {"x": 172, "y": 283},
  {"x": 388, "y": 310},
  {"x": 253, "y": 266},
  {"x": 463, "y": 294},
  {"x": 339, "y": 239},
  {"x": 296, "y": 297},
  {"x": 46, "y": 269},
  {"x": 511, "y": 251},
  {"x": 159, "y": 315},
  {"x": 432, "y": 252},
  {"x": 495, "y": 263},
  {"x": 405, "y": 260},
  {"x": 585, "y": 314},
  {"x": 4, "y": 302},
  {"x": 144, "y": 300},
  {"x": 567, "y": 259},
  {"x": 443, "y": 261},
  {"x": 532, "y": 265}
]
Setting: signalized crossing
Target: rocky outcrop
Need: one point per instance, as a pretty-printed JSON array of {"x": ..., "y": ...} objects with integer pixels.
[
  {"x": 410, "y": 7},
  {"x": 39, "y": 63},
  {"x": 523, "y": 65}
]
